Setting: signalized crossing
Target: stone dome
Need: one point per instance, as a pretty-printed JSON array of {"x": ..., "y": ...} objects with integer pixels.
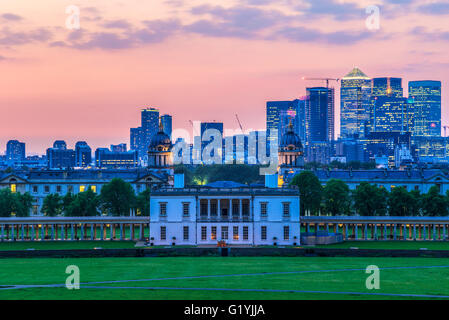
[
  {"x": 160, "y": 141},
  {"x": 290, "y": 140}
]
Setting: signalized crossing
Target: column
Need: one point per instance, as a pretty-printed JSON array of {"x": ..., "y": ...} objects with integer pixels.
[
  {"x": 414, "y": 231},
  {"x": 404, "y": 231},
  {"x": 131, "y": 231},
  {"x": 444, "y": 232},
  {"x": 140, "y": 232},
  {"x": 346, "y": 231},
  {"x": 62, "y": 232},
  {"x": 23, "y": 232},
  {"x": 101, "y": 232},
  {"x": 121, "y": 231},
  {"x": 32, "y": 232},
  {"x": 394, "y": 232},
  {"x": 13, "y": 238},
  {"x": 92, "y": 232},
  {"x": 56, "y": 232},
  {"x": 72, "y": 233},
  {"x": 355, "y": 228},
  {"x": 53, "y": 232},
  {"x": 434, "y": 232},
  {"x": 375, "y": 231},
  {"x": 208, "y": 209},
  {"x": 385, "y": 231},
  {"x": 111, "y": 228},
  {"x": 218, "y": 209},
  {"x": 307, "y": 227},
  {"x": 241, "y": 210},
  {"x": 424, "y": 232},
  {"x": 366, "y": 232},
  {"x": 82, "y": 231},
  {"x": 3, "y": 231}
]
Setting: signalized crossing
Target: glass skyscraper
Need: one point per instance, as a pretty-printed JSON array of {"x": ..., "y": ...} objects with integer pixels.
[
  {"x": 281, "y": 113},
  {"x": 427, "y": 100},
  {"x": 167, "y": 124},
  {"x": 140, "y": 137},
  {"x": 355, "y": 95},
  {"x": 391, "y": 114},
  {"x": 319, "y": 114}
]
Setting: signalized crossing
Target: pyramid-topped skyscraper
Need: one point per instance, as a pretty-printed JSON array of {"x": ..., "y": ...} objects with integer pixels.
[{"x": 354, "y": 103}]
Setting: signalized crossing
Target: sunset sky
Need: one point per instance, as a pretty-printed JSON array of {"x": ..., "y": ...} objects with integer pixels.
[{"x": 197, "y": 60}]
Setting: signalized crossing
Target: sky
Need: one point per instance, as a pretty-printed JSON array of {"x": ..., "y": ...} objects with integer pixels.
[{"x": 199, "y": 60}]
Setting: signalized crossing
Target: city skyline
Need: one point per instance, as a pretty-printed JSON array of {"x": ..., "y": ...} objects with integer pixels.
[{"x": 180, "y": 57}]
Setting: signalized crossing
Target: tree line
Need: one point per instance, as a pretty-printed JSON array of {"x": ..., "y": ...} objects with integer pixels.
[
  {"x": 335, "y": 198},
  {"x": 117, "y": 198}
]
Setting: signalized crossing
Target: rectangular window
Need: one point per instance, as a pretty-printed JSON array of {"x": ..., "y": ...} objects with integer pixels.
[
  {"x": 186, "y": 233},
  {"x": 58, "y": 189},
  {"x": 35, "y": 189},
  {"x": 35, "y": 210},
  {"x": 93, "y": 188},
  {"x": 70, "y": 189},
  {"x": 163, "y": 209},
  {"x": 82, "y": 188},
  {"x": 263, "y": 233},
  {"x": 286, "y": 233},
  {"x": 235, "y": 232},
  {"x": 224, "y": 233},
  {"x": 235, "y": 208},
  {"x": 186, "y": 209},
  {"x": 245, "y": 208},
  {"x": 263, "y": 209},
  {"x": 213, "y": 208},
  {"x": 47, "y": 189},
  {"x": 286, "y": 209},
  {"x": 245, "y": 233},
  {"x": 13, "y": 188},
  {"x": 204, "y": 233},
  {"x": 203, "y": 208},
  {"x": 213, "y": 233},
  {"x": 163, "y": 233}
]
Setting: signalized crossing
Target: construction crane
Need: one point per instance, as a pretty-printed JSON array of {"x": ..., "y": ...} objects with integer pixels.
[
  {"x": 238, "y": 120},
  {"x": 322, "y": 79}
]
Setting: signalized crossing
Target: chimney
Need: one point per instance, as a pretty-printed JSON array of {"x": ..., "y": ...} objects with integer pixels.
[
  {"x": 271, "y": 181},
  {"x": 179, "y": 180}
]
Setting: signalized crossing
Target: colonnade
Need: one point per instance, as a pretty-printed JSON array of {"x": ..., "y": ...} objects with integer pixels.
[
  {"x": 382, "y": 230},
  {"x": 62, "y": 229}
]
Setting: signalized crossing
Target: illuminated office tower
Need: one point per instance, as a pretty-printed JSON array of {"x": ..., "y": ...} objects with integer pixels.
[
  {"x": 15, "y": 151},
  {"x": 319, "y": 114},
  {"x": 383, "y": 87},
  {"x": 83, "y": 154},
  {"x": 355, "y": 95},
  {"x": 140, "y": 137},
  {"x": 392, "y": 114},
  {"x": 427, "y": 100},
  {"x": 167, "y": 124},
  {"x": 281, "y": 113},
  {"x": 387, "y": 87}
]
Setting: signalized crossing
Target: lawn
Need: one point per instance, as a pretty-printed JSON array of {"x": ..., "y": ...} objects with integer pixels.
[
  {"x": 421, "y": 276},
  {"x": 399, "y": 245},
  {"x": 65, "y": 245}
]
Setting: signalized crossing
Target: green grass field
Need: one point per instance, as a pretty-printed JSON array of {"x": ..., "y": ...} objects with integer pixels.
[{"x": 408, "y": 276}]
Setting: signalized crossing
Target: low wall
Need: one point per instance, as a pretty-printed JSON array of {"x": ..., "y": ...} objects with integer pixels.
[{"x": 217, "y": 252}]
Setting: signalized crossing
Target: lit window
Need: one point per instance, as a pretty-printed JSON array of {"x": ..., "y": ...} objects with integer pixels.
[
  {"x": 13, "y": 188},
  {"x": 82, "y": 188},
  {"x": 213, "y": 233},
  {"x": 93, "y": 188},
  {"x": 236, "y": 233}
]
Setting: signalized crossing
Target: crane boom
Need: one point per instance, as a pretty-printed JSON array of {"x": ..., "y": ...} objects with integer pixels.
[{"x": 238, "y": 120}]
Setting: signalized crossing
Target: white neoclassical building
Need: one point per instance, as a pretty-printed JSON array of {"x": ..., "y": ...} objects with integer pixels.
[{"x": 235, "y": 215}]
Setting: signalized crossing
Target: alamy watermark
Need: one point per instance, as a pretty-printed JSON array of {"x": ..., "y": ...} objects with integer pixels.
[
  {"x": 373, "y": 280},
  {"x": 72, "y": 282}
]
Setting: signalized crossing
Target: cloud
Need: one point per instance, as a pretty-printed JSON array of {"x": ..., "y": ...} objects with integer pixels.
[
  {"x": 435, "y": 35},
  {"x": 241, "y": 22},
  {"x": 303, "y": 34},
  {"x": 437, "y": 8},
  {"x": 8, "y": 37},
  {"x": 10, "y": 17},
  {"x": 154, "y": 31},
  {"x": 117, "y": 24},
  {"x": 340, "y": 11}
]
